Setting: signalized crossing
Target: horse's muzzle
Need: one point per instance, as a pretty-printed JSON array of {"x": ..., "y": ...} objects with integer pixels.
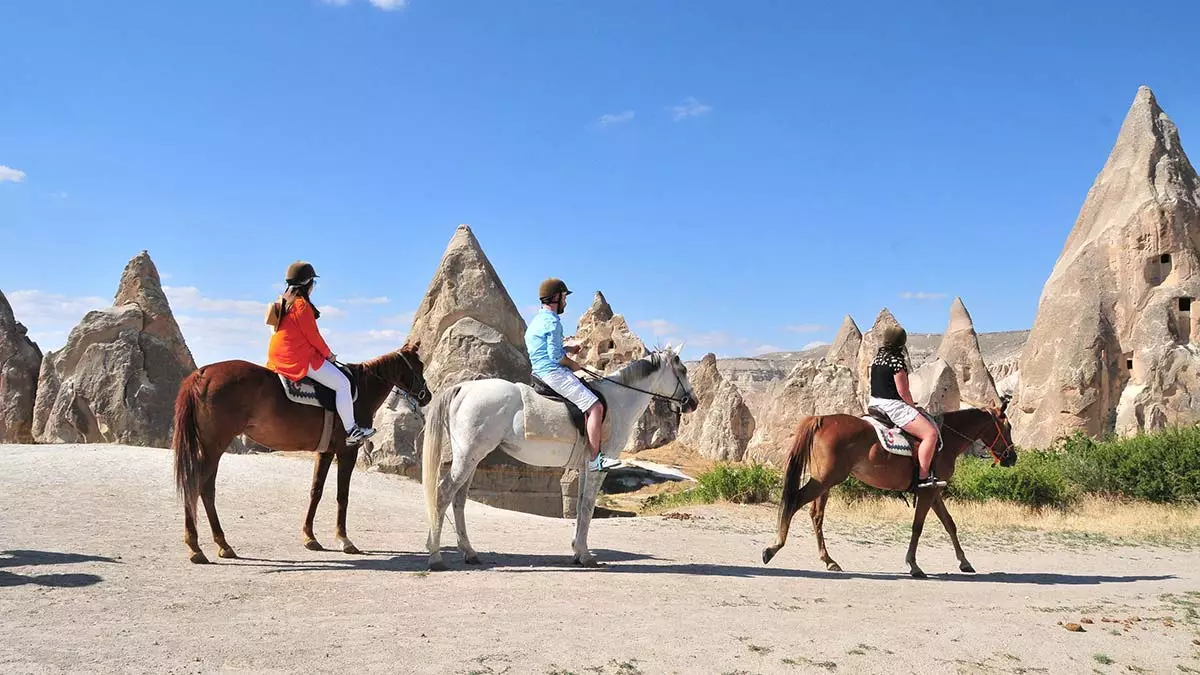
[{"x": 689, "y": 404}]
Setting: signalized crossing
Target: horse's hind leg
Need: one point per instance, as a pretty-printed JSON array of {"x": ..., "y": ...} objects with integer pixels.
[
  {"x": 817, "y": 511},
  {"x": 320, "y": 472},
  {"x": 208, "y": 494},
  {"x": 346, "y": 459},
  {"x": 190, "y": 537},
  {"x": 471, "y": 557},
  {"x": 939, "y": 507},
  {"x": 452, "y": 482},
  {"x": 788, "y": 508}
]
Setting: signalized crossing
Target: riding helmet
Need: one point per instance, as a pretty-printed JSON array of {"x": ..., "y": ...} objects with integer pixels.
[
  {"x": 300, "y": 273},
  {"x": 550, "y": 288}
]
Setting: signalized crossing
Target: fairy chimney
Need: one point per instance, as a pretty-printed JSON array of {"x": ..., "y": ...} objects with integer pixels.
[
  {"x": 721, "y": 426},
  {"x": 960, "y": 350},
  {"x": 469, "y": 329},
  {"x": 846, "y": 345},
  {"x": 20, "y": 360},
  {"x": 1113, "y": 345},
  {"x": 811, "y": 388},
  {"x": 116, "y": 379}
]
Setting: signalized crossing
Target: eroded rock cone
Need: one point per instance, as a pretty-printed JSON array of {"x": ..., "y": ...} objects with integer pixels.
[
  {"x": 721, "y": 426},
  {"x": 20, "y": 361}
]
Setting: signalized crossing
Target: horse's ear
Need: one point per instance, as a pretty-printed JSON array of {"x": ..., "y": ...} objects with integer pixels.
[{"x": 1004, "y": 401}]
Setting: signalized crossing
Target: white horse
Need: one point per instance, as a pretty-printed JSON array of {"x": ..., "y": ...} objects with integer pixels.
[{"x": 481, "y": 416}]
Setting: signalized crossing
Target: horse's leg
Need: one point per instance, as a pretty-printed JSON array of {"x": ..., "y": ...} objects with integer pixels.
[
  {"x": 943, "y": 514},
  {"x": 453, "y": 481},
  {"x": 346, "y": 460},
  {"x": 471, "y": 557},
  {"x": 924, "y": 501},
  {"x": 190, "y": 537},
  {"x": 583, "y": 516},
  {"x": 320, "y": 472},
  {"x": 208, "y": 494},
  {"x": 817, "y": 511}
]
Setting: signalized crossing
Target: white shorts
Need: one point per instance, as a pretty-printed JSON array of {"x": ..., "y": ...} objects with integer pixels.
[
  {"x": 899, "y": 412},
  {"x": 567, "y": 385}
]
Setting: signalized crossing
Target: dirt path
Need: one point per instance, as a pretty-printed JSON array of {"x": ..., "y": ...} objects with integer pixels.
[{"x": 94, "y": 578}]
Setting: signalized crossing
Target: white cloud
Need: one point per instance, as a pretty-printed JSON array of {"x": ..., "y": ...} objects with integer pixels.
[
  {"x": 690, "y": 107},
  {"x": 389, "y": 5},
  {"x": 813, "y": 345},
  {"x": 7, "y": 173},
  {"x": 380, "y": 300},
  {"x": 766, "y": 349},
  {"x": 50, "y": 313},
  {"x": 616, "y": 118},
  {"x": 190, "y": 299},
  {"x": 330, "y": 312},
  {"x": 921, "y": 295},
  {"x": 58, "y": 195},
  {"x": 401, "y": 319},
  {"x": 336, "y": 3},
  {"x": 805, "y": 328},
  {"x": 658, "y": 327}
]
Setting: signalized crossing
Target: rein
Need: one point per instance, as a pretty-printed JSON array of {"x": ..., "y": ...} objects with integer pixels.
[
  {"x": 408, "y": 396},
  {"x": 681, "y": 401},
  {"x": 992, "y": 446}
]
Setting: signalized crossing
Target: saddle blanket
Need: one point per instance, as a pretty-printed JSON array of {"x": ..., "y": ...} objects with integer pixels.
[
  {"x": 308, "y": 392},
  {"x": 894, "y": 440},
  {"x": 547, "y": 420}
]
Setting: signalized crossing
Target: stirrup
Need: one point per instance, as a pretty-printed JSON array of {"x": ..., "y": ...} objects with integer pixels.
[{"x": 930, "y": 481}]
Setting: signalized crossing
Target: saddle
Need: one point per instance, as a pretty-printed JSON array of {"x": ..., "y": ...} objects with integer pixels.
[
  {"x": 894, "y": 439},
  {"x": 312, "y": 393},
  {"x": 573, "y": 412}
]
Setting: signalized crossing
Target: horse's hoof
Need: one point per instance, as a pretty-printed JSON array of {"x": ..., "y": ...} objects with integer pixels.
[
  {"x": 227, "y": 553},
  {"x": 351, "y": 549},
  {"x": 966, "y": 567},
  {"x": 768, "y": 553},
  {"x": 474, "y": 560},
  {"x": 918, "y": 574},
  {"x": 199, "y": 558},
  {"x": 313, "y": 545},
  {"x": 590, "y": 562},
  {"x": 833, "y": 567},
  {"x": 438, "y": 566}
]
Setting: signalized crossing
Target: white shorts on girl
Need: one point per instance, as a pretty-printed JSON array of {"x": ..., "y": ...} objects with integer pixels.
[{"x": 899, "y": 412}]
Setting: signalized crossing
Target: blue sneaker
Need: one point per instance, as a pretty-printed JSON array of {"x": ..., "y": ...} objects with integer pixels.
[{"x": 602, "y": 463}]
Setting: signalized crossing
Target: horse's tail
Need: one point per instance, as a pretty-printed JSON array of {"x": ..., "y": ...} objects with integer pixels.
[
  {"x": 436, "y": 425},
  {"x": 793, "y": 496},
  {"x": 189, "y": 453}
]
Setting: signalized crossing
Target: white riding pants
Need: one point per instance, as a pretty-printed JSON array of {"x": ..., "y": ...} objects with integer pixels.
[{"x": 331, "y": 377}]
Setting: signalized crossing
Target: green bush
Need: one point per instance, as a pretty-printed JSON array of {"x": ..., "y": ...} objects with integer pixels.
[
  {"x": 1037, "y": 480},
  {"x": 741, "y": 484},
  {"x": 1159, "y": 467}
]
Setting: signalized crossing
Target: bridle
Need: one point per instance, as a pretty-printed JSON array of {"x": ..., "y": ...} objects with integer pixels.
[
  {"x": 410, "y": 397},
  {"x": 997, "y": 457},
  {"x": 676, "y": 399}
]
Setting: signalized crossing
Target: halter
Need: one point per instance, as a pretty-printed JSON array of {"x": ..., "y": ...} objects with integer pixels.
[
  {"x": 996, "y": 458},
  {"x": 409, "y": 397},
  {"x": 681, "y": 401}
]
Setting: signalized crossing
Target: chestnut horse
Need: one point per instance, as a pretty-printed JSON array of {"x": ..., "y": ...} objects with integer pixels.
[
  {"x": 834, "y": 447},
  {"x": 219, "y": 401}
]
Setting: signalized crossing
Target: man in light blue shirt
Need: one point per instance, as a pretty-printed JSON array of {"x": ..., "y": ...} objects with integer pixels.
[{"x": 552, "y": 365}]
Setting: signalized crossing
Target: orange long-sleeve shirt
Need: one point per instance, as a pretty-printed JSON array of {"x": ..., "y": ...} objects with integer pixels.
[{"x": 297, "y": 345}]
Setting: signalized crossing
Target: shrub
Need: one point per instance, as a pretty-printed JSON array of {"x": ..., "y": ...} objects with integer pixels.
[
  {"x": 1037, "y": 480},
  {"x": 748, "y": 484},
  {"x": 1159, "y": 467}
]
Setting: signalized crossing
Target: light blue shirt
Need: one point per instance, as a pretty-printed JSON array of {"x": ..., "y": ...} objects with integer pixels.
[{"x": 544, "y": 342}]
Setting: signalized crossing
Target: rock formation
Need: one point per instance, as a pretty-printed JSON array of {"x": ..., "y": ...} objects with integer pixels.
[
  {"x": 847, "y": 344},
  {"x": 1114, "y": 345},
  {"x": 469, "y": 329},
  {"x": 606, "y": 344},
  {"x": 812, "y": 388},
  {"x": 960, "y": 349},
  {"x": 871, "y": 342},
  {"x": 116, "y": 379},
  {"x": 934, "y": 387},
  {"x": 721, "y": 426},
  {"x": 20, "y": 360}
]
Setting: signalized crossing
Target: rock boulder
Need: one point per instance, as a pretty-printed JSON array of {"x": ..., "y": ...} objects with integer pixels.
[{"x": 20, "y": 361}]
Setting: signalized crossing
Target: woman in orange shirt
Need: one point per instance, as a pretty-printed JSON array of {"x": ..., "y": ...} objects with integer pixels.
[{"x": 297, "y": 349}]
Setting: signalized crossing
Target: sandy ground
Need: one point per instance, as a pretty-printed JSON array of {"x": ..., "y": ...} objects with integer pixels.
[{"x": 94, "y": 578}]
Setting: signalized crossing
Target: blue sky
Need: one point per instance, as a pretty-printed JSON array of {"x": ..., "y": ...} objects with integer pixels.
[{"x": 741, "y": 175}]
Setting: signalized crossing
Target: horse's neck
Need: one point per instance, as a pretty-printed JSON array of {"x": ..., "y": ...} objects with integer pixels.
[
  {"x": 964, "y": 430},
  {"x": 625, "y": 405},
  {"x": 372, "y": 389}
]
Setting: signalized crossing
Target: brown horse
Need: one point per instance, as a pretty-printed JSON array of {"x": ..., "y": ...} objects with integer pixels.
[
  {"x": 221, "y": 400},
  {"x": 834, "y": 447}
]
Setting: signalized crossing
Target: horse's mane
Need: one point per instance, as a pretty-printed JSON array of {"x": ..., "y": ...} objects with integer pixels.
[{"x": 638, "y": 369}]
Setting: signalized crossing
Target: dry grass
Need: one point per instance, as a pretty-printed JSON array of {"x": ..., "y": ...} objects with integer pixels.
[{"x": 1103, "y": 519}]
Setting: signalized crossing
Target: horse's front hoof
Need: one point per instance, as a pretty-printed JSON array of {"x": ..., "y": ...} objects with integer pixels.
[
  {"x": 917, "y": 574},
  {"x": 833, "y": 567},
  {"x": 313, "y": 545},
  {"x": 966, "y": 567},
  {"x": 769, "y": 553},
  {"x": 199, "y": 558},
  {"x": 589, "y": 562},
  {"x": 227, "y": 553},
  {"x": 473, "y": 560},
  {"x": 351, "y": 549},
  {"x": 438, "y": 566}
]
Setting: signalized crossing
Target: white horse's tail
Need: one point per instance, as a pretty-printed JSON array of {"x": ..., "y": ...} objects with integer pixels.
[{"x": 436, "y": 424}]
